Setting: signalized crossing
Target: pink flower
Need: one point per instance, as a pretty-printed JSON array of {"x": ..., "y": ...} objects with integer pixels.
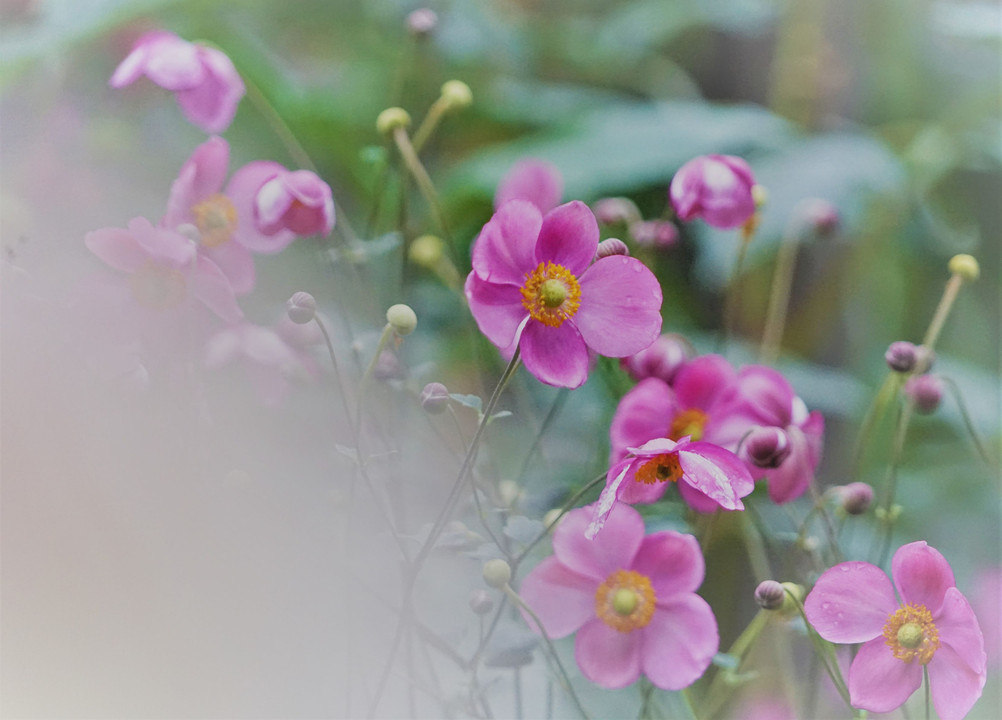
[
  {"x": 296, "y": 201},
  {"x": 631, "y": 599},
  {"x": 164, "y": 268},
  {"x": 708, "y": 477},
  {"x": 534, "y": 286},
  {"x": 534, "y": 180},
  {"x": 207, "y": 86},
  {"x": 663, "y": 358},
  {"x": 931, "y": 626},
  {"x": 716, "y": 188}
]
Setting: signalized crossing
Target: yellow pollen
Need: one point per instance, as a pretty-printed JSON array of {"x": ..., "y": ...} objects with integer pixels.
[
  {"x": 660, "y": 468},
  {"x": 216, "y": 219},
  {"x": 911, "y": 634},
  {"x": 625, "y": 601},
  {"x": 688, "y": 422},
  {"x": 551, "y": 294},
  {"x": 158, "y": 286}
]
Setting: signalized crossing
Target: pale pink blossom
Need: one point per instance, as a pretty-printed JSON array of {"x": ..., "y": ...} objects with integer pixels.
[{"x": 716, "y": 188}]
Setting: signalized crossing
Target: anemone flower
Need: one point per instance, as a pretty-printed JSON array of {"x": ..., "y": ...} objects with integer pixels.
[
  {"x": 716, "y": 188},
  {"x": 534, "y": 180}
]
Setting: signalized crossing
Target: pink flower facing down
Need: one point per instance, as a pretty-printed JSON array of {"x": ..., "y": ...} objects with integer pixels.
[
  {"x": 164, "y": 268},
  {"x": 716, "y": 188},
  {"x": 203, "y": 79},
  {"x": 708, "y": 478},
  {"x": 534, "y": 180},
  {"x": 631, "y": 599},
  {"x": 534, "y": 286},
  {"x": 932, "y": 626},
  {"x": 709, "y": 401}
]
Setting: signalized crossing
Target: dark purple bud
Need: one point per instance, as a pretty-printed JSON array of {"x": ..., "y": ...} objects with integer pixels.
[
  {"x": 902, "y": 356},
  {"x": 661, "y": 359},
  {"x": 767, "y": 447},
  {"x": 435, "y": 398},
  {"x": 855, "y": 497},
  {"x": 770, "y": 595},
  {"x": 612, "y": 246},
  {"x": 301, "y": 308},
  {"x": 481, "y": 602},
  {"x": 926, "y": 391},
  {"x": 654, "y": 233}
]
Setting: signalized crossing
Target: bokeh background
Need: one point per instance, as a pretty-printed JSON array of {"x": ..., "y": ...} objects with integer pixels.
[{"x": 164, "y": 556}]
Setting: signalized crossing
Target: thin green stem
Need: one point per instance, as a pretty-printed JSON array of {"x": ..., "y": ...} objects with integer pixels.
[
  {"x": 435, "y": 113},
  {"x": 950, "y": 293},
  {"x": 720, "y": 689},
  {"x": 925, "y": 682},
  {"x": 558, "y": 403},
  {"x": 424, "y": 183},
  {"x": 824, "y": 650},
  {"x": 779, "y": 298},
  {"x": 730, "y": 298},
  {"x": 887, "y": 392},
  {"x": 968, "y": 423}
]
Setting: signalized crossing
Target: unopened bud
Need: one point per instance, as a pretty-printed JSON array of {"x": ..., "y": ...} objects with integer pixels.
[
  {"x": 926, "y": 391},
  {"x": 612, "y": 246},
  {"x": 663, "y": 358},
  {"x": 654, "y": 233},
  {"x": 422, "y": 22},
  {"x": 855, "y": 497},
  {"x": 388, "y": 367},
  {"x": 767, "y": 447},
  {"x": 481, "y": 602},
  {"x": 966, "y": 266},
  {"x": 301, "y": 308},
  {"x": 391, "y": 119},
  {"x": 426, "y": 251},
  {"x": 612, "y": 210},
  {"x": 790, "y": 603},
  {"x": 822, "y": 216},
  {"x": 902, "y": 356},
  {"x": 497, "y": 573},
  {"x": 435, "y": 398},
  {"x": 456, "y": 95},
  {"x": 770, "y": 595},
  {"x": 402, "y": 319}
]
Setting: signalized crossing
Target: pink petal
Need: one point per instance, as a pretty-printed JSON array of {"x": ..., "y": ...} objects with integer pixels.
[
  {"x": 129, "y": 70},
  {"x": 922, "y": 575},
  {"x": 878, "y": 681},
  {"x": 696, "y": 499},
  {"x": 202, "y": 175},
  {"x": 610, "y": 494},
  {"x": 212, "y": 103},
  {"x": 613, "y": 549},
  {"x": 764, "y": 395},
  {"x": 242, "y": 191},
  {"x": 717, "y": 473},
  {"x": 172, "y": 63},
  {"x": 702, "y": 381},
  {"x": 562, "y": 599},
  {"x": 117, "y": 247},
  {"x": 672, "y": 561},
  {"x": 504, "y": 252},
  {"x": 554, "y": 355},
  {"x": 851, "y": 602},
  {"x": 568, "y": 237},
  {"x": 212, "y": 288},
  {"x": 958, "y": 627},
  {"x": 642, "y": 415},
  {"x": 534, "y": 180},
  {"x": 953, "y": 684},
  {"x": 236, "y": 262},
  {"x": 620, "y": 311},
  {"x": 160, "y": 244},
  {"x": 222, "y": 348},
  {"x": 497, "y": 309},
  {"x": 272, "y": 200},
  {"x": 789, "y": 481},
  {"x": 680, "y": 642},
  {"x": 607, "y": 657}
]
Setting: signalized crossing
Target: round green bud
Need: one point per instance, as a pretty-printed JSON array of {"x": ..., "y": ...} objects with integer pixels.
[
  {"x": 797, "y": 593},
  {"x": 426, "y": 250},
  {"x": 966, "y": 266},
  {"x": 497, "y": 573},
  {"x": 402, "y": 319},
  {"x": 457, "y": 95},
  {"x": 391, "y": 119}
]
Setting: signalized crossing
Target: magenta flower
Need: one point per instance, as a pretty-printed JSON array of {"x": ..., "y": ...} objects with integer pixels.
[
  {"x": 663, "y": 358},
  {"x": 534, "y": 180},
  {"x": 203, "y": 79},
  {"x": 164, "y": 269},
  {"x": 716, "y": 188},
  {"x": 297, "y": 202},
  {"x": 534, "y": 286},
  {"x": 932, "y": 626},
  {"x": 631, "y": 599},
  {"x": 708, "y": 478}
]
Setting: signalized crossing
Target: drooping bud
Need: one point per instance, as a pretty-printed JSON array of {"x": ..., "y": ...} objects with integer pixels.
[
  {"x": 456, "y": 95},
  {"x": 422, "y": 22},
  {"x": 654, "y": 233},
  {"x": 497, "y": 573},
  {"x": 402, "y": 319},
  {"x": 767, "y": 447},
  {"x": 391, "y": 119},
  {"x": 966, "y": 266},
  {"x": 770, "y": 595},
  {"x": 855, "y": 497},
  {"x": 301, "y": 308},
  {"x": 435, "y": 398},
  {"x": 612, "y": 246},
  {"x": 612, "y": 210},
  {"x": 661, "y": 359},
  {"x": 902, "y": 356},
  {"x": 481, "y": 602},
  {"x": 926, "y": 391}
]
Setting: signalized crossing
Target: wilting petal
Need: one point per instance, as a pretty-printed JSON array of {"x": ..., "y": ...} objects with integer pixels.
[
  {"x": 568, "y": 237},
  {"x": 607, "y": 657},
  {"x": 851, "y": 602},
  {"x": 953, "y": 684},
  {"x": 613, "y": 549},
  {"x": 680, "y": 642},
  {"x": 505, "y": 249},
  {"x": 620, "y": 311},
  {"x": 878, "y": 681},
  {"x": 672, "y": 561},
  {"x": 922, "y": 575},
  {"x": 562, "y": 599},
  {"x": 717, "y": 473},
  {"x": 555, "y": 355}
]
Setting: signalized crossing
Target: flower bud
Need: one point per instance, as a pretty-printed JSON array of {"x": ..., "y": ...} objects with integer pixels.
[
  {"x": 926, "y": 391},
  {"x": 821, "y": 216},
  {"x": 612, "y": 210},
  {"x": 855, "y": 497},
  {"x": 790, "y": 603},
  {"x": 612, "y": 246},
  {"x": 902, "y": 356},
  {"x": 966, "y": 266},
  {"x": 770, "y": 595},
  {"x": 497, "y": 573},
  {"x": 716, "y": 188},
  {"x": 481, "y": 602},
  {"x": 456, "y": 95},
  {"x": 435, "y": 398},
  {"x": 301, "y": 308},
  {"x": 661, "y": 359},
  {"x": 388, "y": 367},
  {"x": 402, "y": 319},
  {"x": 426, "y": 251},
  {"x": 422, "y": 22},
  {"x": 391, "y": 119},
  {"x": 767, "y": 447},
  {"x": 654, "y": 233}
]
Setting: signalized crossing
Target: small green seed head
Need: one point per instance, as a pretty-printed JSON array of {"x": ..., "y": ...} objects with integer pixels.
[
  {"x": 402, "y": 319},
  {"x": 966, "y": 266},
  {"x": 497, "y": 573},
  {"x": 457, "y": 95},
  {"x": 426, "y": 251},
  {"x": 391, "y": 119}
]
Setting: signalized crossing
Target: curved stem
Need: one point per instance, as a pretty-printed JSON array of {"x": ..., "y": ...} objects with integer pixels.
[
  {"x": 779, "y": 298},
  {"x": 424, "y": 183}
]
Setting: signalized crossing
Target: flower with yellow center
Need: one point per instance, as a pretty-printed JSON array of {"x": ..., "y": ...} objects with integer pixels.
[
  {"x": 551, "y": 294},
  {"x": 625, "y": 601},
  {"x": 216, "y": 219},
  {"x": 911, "y": 634},
  {"x": 689, "y": 422}
]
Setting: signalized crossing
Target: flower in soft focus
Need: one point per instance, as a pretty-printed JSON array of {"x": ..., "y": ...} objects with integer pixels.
[
  {"x": 987, "y": 601},
  {"x": 708, "y": 477},
  {"x": 931, "y": 627},
  {"x": 654, "y": 233},
  {"x": 203, "y": 79},
  {"x": 630, "y": 598},
  {"x": 926, "y": 391},
  {"x": 709, "y": 401},
  {"x": 534, "y": 286},
  {"x": 534, "y": 180},
  {"x": 716, "y": 188},
  {"x": 663, "y": 358},
  {"x": 163, "y": 271},
  {"x": 295, "y": 201}
]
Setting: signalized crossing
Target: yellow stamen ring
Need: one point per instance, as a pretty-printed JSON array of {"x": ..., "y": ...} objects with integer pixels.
[
  {"x": 659, "y": 469},
  {"x": 216, "y": 219},
  {"x": 625, "y": 601},
  {"x": 688, "y": 422},
  {"x": 911, "y": 634},
  {"x": 551, "y": 294}
]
